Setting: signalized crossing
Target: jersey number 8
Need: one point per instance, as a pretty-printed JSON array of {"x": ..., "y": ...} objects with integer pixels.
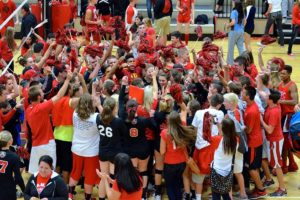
[{"x": 105, "y": 131}]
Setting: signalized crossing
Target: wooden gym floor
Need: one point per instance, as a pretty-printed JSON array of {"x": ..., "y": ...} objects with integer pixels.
[{"x": 292, "y": 180}]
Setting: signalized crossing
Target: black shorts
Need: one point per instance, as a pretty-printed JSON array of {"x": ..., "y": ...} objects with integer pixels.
[
  {"x": 140, "y": 151},
  {"x": 64, "y": 155},
  {"x": 249, "y": 31},
  {"x": 253, "y": 157},
  {"x": 108, "y": 156}
]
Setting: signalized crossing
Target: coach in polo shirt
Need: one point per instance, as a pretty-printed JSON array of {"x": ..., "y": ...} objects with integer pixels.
[{"x": 274, "y": 14}]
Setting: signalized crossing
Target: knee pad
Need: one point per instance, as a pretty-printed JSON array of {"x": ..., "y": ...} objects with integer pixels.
[
  {"x": 157, "y": 171},
  {"x": 144, "y": 173}
]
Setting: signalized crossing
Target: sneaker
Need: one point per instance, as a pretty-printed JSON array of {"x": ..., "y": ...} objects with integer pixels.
[
  {"x": 291, "y": 54},
  {"x": 256, "y": 194},
  {"x": 243, "y": 197},
  {"x": 157, "y": 197},
  {"x": 186, "y": 196},
  {"x": 293, "y": 167},
  {"x": 70, "y": 196},
  {"x": 268, "y": 183},
  {"x": 279, "y": 193},
  {"x": 19, "y": 194}
]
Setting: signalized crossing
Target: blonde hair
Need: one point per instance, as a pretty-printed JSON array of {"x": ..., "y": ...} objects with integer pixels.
[
  {"x": 148, "y": 97},
  {"x": 85, "y": 107},
  {"x": 5, "y": 137},
  {"x": 232, "y": 98},
  {"x": 9, "y": 37},
  {"x": 167, "y": 105}
]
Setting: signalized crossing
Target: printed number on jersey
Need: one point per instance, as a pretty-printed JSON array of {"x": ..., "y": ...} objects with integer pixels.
[
  {"x": 106, "y": 132},
  {"x": 3, "y": 165}
]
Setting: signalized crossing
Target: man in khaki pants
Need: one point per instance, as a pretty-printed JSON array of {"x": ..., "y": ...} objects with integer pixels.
[{"x": 162, "y": 13}]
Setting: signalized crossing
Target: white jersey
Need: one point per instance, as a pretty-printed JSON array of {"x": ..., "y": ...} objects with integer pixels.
[
  {"x": 198, "y": 123},
  {"x": 130, "y": 15},
  {"x": 86, "y": 136}
]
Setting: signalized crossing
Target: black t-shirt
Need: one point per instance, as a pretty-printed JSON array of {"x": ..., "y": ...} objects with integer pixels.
[
  {"x": 9, "y": 165},
  {"x": 111, "y": 135}
]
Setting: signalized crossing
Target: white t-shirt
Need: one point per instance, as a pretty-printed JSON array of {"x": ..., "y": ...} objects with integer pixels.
[
  {"x": 222, "y": 162},
  {"x": 86, "y": 136},
  {"x": 198, "y": 123},
  {"x": 276, "y": 5}
]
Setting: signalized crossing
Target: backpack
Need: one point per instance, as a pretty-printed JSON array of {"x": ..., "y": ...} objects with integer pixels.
[
  {"x": 201, "y": 19},
  {"x": 294, "y": 128},
  {"x": 167, "y": 7}
]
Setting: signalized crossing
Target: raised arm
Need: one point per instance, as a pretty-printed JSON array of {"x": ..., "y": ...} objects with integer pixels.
[{"x": 63, "y": 89}]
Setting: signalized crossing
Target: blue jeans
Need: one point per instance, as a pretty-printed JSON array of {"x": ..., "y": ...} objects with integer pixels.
[
  {"x": 294, "y": 35},
  {"x": 149, "y": 7},
  {"x": 217, "y": 196},
  {"x": 235, "y": 38},
  {"x": 277, "y": 18},
  {"x": 173, "y": 178}
]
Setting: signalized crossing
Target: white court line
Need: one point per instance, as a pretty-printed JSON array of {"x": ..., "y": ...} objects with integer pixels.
[{"x": 13, "y": 14}]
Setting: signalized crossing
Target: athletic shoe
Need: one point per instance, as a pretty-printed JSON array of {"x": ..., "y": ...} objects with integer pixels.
[
  {"x": 293, "y": 167},
  {"x": 157, "y": 197},
  {"x": 268, "y": 183},
  {"x": 186, "y": 196},
  {"x": 291, "y": 54},
  {"x": 279, "y": 193},
  {"x": 256, "y": 194},
  {"x": 19, "y": 194},
  {"x": 284, "y": 20},
  {"x": 243, "y": 197},
  {"x": 70, "y": 196}
]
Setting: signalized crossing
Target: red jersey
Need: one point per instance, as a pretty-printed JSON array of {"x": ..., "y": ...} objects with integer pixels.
[
  {"x": 6, "y": 52},
  {"x": 272, "y": 117},
  {"x": 37, "y": 115},
  {"x": 186, "y": 6},
  {"x": 251, "y": 119},
  {"x": 94, "y": 16},
  {"x": 125, "y": 196},
  {"x": 6, "y": 9},
  {"x": 285, "y": 95},
  {"x": 174, "y": 154},
  {"x": 62, "y": 113}
]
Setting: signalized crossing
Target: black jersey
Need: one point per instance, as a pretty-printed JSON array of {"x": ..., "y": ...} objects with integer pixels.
[
  {"x": 9, "y": 175},
  {"x": 111, "y": 135},
  {"x": 104, "y": 7}
]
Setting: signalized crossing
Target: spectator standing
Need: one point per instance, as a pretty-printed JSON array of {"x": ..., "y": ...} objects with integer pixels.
[
  {"x": 28, "y": 21},
  {"x": 296, "y": 24},
  {"x": 249, "y": 23},
  {"x": 7, "y": 7}
]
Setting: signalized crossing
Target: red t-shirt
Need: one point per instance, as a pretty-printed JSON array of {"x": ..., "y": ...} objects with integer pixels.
[
  {"x": 41, "y": 182},
  {"x": 62, "y": 113},
  {"x": 94, "y": 16},
  {"x": 174, "y": 154},
  {"x": 252, "y": 71},
  {"x": 125, "y": 196},
  {"x": 6, "y": 52},
  {"x": 142, "y": 112},
  {"x": 6, "y": 9},
  {"x": 37, "y": 115},
  {"x": 252, "y": 121},
  {"x": 130, "y": 14},
  {"x": 273, "y": 118}
]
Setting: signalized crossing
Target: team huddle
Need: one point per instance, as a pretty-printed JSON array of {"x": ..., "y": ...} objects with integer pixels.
[{"x": 123, "y": 110}]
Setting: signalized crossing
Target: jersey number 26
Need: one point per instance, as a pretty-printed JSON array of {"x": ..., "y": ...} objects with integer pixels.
[{"x": 105, "y": 131}]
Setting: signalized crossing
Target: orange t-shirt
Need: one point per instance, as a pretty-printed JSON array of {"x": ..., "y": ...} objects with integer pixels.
[
  {"x": 125, "y": 196},
  {"x": 41, "y": 182}
]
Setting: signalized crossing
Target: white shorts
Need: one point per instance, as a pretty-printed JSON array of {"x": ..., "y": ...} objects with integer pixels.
[
  {"x": 265, "y": 145},
  {"x": 274, "y": 153},
  {"x": 198, "y": 178},
  {"x": 238, "y": 163},
  {"x": 39, "y": 151}
]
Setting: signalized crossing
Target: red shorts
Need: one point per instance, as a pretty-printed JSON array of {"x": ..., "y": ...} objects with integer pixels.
[
  {"x": 183, "y": 19},
  {"x": 274, "y": 153},
  {"x": 105, "y": 18},
  {"x": 88, "y": 165},
  {"x": 203, "y": 158},
  {"x": 96, "y": 37}
]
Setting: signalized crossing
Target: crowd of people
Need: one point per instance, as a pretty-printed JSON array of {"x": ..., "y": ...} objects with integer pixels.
[{"x": 146, "y": 116}]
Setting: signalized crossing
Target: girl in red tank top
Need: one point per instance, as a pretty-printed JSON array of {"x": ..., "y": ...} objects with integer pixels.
[{"x": 92, "y": 22}]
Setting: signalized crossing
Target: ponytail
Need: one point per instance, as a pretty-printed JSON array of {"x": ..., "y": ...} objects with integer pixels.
[{"x": 107, "y": 113}]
